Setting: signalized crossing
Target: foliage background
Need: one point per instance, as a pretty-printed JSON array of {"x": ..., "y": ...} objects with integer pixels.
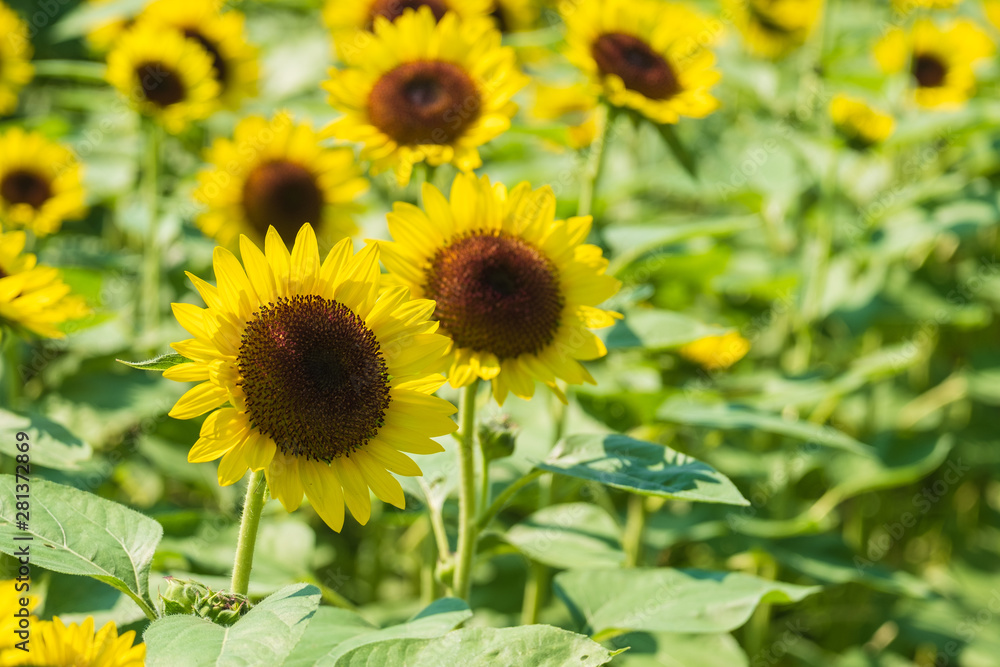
[{"x": 892, "y": 343}]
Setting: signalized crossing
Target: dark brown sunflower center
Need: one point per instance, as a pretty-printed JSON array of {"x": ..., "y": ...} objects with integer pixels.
[
  {"x": 314, "y": 377},
  {"x": 496, "y": 294},
  {"x": 640, "y": 68},
  {"x": 160, "y": 85},
  {"x": 929, "y": 71},
  {"x": 218, "y": 62},
  {"x": 25, "y": 187},
  {"x": 284, "y": 195},
  {"x": 424, "y": 102},
  {"x": 393, "y": 9}
]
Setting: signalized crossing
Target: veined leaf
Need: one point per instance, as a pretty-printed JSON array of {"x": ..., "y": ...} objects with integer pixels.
[
  {"x": 265, "y": 636},
  {"x": 50, "y": 444},
  {"x": 160, "y": 363},
  {"x": 569, "y": 536},
  {"x": 641, "y": 467},
  {"x": 654, "y": 330},
  {"x": 612, "y": 602},
  {"x": 76, "y": 532}
]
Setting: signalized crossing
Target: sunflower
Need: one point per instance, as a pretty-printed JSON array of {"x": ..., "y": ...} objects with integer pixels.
[
  {"x": 423, "y": 90},
  {"x": 15, "y": 54},
  {"x": 715, "y": 353},
  {"x": 33, "y": 297},
  {"x": 346, "y": 18},
  {"x": 774, "y": 28},
  {"x": 940, "y": 61},
  {"x": 644, "y": 55},
  {"x": 55, "y": 644},
  {"x": 9, "y": 624},
  {"x": 40, "y": 183},
  {"x": 573, "y": 104},
  {"x": 222, "y": 35},
  {"x": 992, "y": 10},
  {"x": 322, "y": 378},
  {"x": 860, "y": 124},
  {"x": 516, "y": 291},
  {"x": 276, "y": 174},
  {"x": 164, "y": 75}
]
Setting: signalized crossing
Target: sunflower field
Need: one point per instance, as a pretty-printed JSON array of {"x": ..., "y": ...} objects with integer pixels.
[{"x": 502, "y": 333}]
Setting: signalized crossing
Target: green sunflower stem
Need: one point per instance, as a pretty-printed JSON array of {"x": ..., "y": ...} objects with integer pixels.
[
  {"x": 467, "y": 531},
  {"x": 635, "y": 528},
  {"x": 252, "y": 507},
  {"x": 151, "y": 259},
  {"x": 594, "y": 161}
]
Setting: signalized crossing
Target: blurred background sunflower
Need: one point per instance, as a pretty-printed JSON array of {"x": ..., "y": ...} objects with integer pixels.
[
  {"x": 15, "y": 58},
  {"x": 40, "y": 183},
  {"x": 275, "y": 173},
  {"x": 774, "y": 28}
]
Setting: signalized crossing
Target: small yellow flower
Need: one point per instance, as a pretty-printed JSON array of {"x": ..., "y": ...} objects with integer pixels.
[
  {"x": 103, "y": 36},
  {"x": 516, "y": 290},
  {"x": 516, "y": 15},
  {"x": 276, "y": 174},
  {"x": 55, "y": 644},
  {"x": 15, "y": 58},
  {"x": 716, "y": 352},
  {"x": 222, "y": 35},
  {"x": 940, "y": 61},
  {"x": 774, "y": 28},
  {"x": 40, "y": 183},
  {"x": 312, "y": 372},
  {"x": 574, "y": 104},
  {"x": 33, "y": 297},
  {"x": 860, "y": 124},
  {"x": 164, "y": 75},
  {"x": 645, "y": 55},
  {"x": 423, "y": 90}
]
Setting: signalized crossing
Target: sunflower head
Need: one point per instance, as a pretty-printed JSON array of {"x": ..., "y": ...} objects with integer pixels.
[
  {"x": 515, "y": 289},
  {"x": 222, "y": 35},
  {"x": 15, "y": 58},
  {"x": 40, "y": 183},
  {"x": 313, "y": 373},
  {"x": 346, "y": 18},
  {"x": 860, "y": 124},
  {"x": 55, "y": 644},
  {"x": 163, "y": 74},
  {"x": 940, "y": 61},
  {"x": 275, "y": 173},
  {"x": 775, "y": 28},
  {"x": 645, "y": 55},
  {"x": 33, "y": 298},
  {"x": 573, "y": 106},
  {"x": 424, "y": 90}
]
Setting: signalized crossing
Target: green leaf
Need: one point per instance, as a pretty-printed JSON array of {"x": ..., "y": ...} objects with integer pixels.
[
  {"x": 328, "y": 628},
  {"x": 654, "y": 330},
  {"x": 612, "y": 602},
  {"x": 665, "y": 649},
  {"x": 265, "y": 636},
  {"x": 684, "y": 157},
  {"x": 641, "y": 467},
  {"x": 573, "y": 535},
  {"x": 535, "y": 645},
  {"x": 725, "y": 416},
  {"x": 160, "y": 363},
  {"x": 438, "y": 618},
  {"x": 50, "y": 444},
  {"x": 76, "y": 532}
]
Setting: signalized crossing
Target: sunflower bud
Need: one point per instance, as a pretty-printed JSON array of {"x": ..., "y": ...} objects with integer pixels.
[
  {"x": 223, "y": 608},
  {"x": 498, "y": 436},
  {"x": 182, "y": 596}
]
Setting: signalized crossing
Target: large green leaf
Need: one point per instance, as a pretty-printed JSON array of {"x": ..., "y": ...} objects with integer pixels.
[
  {"x": 76, "y": 532},
  {"x": 725, "y": 417},
  {"x": 328, "y": 628},
  {"x": 665, "y": 649},
  {"x": 437, "y": 619},
  {"x": 574, "y": 535},
  {"x": 50, "y": 444},
  {"x": 535, "y": 645},
  {"x": 612, "y": 602},
  {"x": 265, "y": 636},
  {"x": 657, "y": 330},
  {"x": 641, "y": 467}
]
